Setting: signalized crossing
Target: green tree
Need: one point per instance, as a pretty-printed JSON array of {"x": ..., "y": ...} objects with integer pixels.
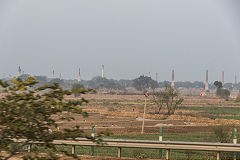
[
  {"x": 222, "y": 93},
  {"x": 27, "y": 113},
  {"x": 42, "y": 79},
  {"x": 104, "y": 83},
  {"x": 76, "y": 88},
  {"x": 24, "y": 76},
  {"x": 144, "y": 82},
  {"x": 168, "y": 98},
  {"x": 56, "y": 80},
  {"x": 218, "y": 84}
]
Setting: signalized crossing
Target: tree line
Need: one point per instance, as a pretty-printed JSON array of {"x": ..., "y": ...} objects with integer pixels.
[{"x": 139, "y": 83}]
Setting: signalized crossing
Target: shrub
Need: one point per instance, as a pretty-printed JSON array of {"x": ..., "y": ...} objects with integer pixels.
[
  {"x": 238, "y": 98},
  {"x": 107, "y": 132},
  {"x": 111, "y": 109},
  {"x": 224, "y": 134}
]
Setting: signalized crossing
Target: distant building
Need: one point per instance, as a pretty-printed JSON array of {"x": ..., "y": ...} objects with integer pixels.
[{"x": 203, "y": 93}]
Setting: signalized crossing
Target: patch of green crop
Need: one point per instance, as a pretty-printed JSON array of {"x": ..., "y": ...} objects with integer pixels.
[{"x": 214, "y": 110}]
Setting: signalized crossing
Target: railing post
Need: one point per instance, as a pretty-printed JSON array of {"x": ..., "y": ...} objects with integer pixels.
[
  {"x": 167, "y": 153},
  {"x": 73, "y": 149},
  {"x": 119, "y": 152},
  {"x": 93, "y": 135},
  {"x": 235, "y": 142},
  {"x": 160, "y": 139},
  {"x": 218, "y": 155},
  {"x": 29, "y": 147}
]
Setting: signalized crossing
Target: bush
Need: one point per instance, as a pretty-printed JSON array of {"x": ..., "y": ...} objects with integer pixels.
[
  {"x": 224, "y": 134},
  {"x": 223, "y": 93},
  {"x": 107, "y": 132},
  {"x": 238, "y": 98},
  {"x": 27, "y": 111},
  {"x": 111, "y": 109},
  {"x": 189, "y": 154},
  {"x": 76, "y": 87},
  {"x": 139, "y": 155}
]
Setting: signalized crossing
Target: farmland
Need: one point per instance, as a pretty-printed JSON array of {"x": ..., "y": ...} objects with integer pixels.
[{"x": 121, "y": 115}]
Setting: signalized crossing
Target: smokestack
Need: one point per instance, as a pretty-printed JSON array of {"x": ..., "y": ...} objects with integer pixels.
[
  {"x": 53, "y": 74},
  {"x": 19, "y": 71},
  {"x": 235, "y": 80},
  {"x": 79, "y": 76},
  {"x": 102, "y": 71},
  {"x": 172, "y": 85},
  {"x": 223, "y": 78},
  {"x": 157, "y": 77},
  {"x": 206, "y": 84}
]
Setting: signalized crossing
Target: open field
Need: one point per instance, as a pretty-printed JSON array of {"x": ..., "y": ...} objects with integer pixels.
[{"x": 122, "y": 114}]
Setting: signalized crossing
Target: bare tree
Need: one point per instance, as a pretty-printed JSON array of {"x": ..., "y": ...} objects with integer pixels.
[
  {"x": 158, "y": 99},
  {"x": 168, "y": 98}
]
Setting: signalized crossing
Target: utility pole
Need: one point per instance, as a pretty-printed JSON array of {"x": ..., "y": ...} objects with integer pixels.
[{"x": 144, "y": 111}]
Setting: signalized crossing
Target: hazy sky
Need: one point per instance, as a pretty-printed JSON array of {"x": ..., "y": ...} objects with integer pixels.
[{"x": 130, "y": 37}]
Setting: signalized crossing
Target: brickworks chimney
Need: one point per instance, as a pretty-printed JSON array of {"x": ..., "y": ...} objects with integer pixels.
[
  {"x": 102, "y": 71},
  {"x": 172, "y": 84},
  {"x": 79, "y": 76},
  {"x": 206, "y": 84}
]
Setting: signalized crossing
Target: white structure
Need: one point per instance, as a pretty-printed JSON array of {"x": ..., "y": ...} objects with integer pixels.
[
  {"x": 223, "y": 78},
  {"x": 235, "y": 80},
  {"x": 172, "y": 84},
  {"x": 79, "y": 76},
  {"x": 102, "y": 71},
  {"x": 53, "y": 74},
  {"x": 206, "y": 84},
  {"x": 19, "y": 71},
  {"x": 149, "y": 74}
]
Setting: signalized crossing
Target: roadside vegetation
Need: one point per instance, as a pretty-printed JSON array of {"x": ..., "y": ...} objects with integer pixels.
[{"x": 26, "y": 112}]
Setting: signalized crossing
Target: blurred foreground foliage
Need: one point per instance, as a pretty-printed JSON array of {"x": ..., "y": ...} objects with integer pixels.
[{"x": 26, "y": 112}]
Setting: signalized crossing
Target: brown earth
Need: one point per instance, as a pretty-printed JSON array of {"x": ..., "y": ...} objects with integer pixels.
[
  {"x": 122, "y": 115},
  {"x": 80, "y": 157}
]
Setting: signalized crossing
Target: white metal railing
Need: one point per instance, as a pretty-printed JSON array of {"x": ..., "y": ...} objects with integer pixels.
[{"x": 168, "y": 145}]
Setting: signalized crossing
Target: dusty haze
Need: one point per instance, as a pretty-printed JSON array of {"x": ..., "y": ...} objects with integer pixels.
[{"x": 129, "y": 37}]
